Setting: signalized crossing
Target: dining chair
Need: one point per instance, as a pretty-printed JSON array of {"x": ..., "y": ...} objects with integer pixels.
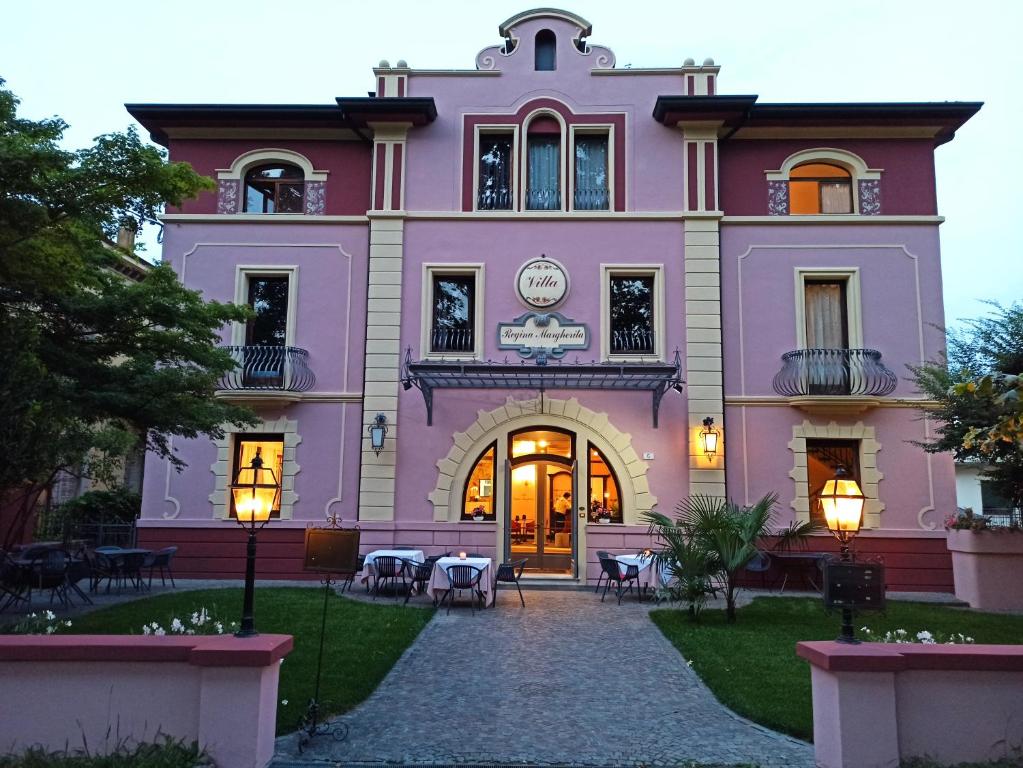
[
  {"x": 48, "y": 571},
  {"x": 761, "y": 563},
  {"x": 600, "y": 555},
  {"x": 419, "y": 575},
  {"x": 161, "y": 559},
  {"x": 387, "y": 568},
  {"x": 461, "y": 577},
  {"x": 510, "y": 573},
  {"x": 12, "y": 582},
  {"x": 612, "y": 568}
]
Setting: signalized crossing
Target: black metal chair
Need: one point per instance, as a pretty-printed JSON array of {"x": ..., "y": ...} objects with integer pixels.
[
  {"x": 461, "y": 577},
  {"x": 601, "y": 554},
  {"x": 510, "y": 573},
  {"x": 131, "y": 568},
  {"x": 761, "y": 563},
  {"x": 79, "y": 570},
  {"x": 13, "y": 583},
  {"x": 387, "y": 568},
  {"x": 161, "y": 559},
  {"x": 419, "y": 575},
  {"x": 48, "y": 571},
  {"x": 612, "y": 569}
]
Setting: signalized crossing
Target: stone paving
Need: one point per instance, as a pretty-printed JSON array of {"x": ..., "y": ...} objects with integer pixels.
[{"x": 566, "y": 681}]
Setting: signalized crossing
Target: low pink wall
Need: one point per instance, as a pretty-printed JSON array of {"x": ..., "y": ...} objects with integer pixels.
[
  {"x": 986, "y": 566},
  {"x": 876, "y": 704},
  {"x": 69, "y": 691}
]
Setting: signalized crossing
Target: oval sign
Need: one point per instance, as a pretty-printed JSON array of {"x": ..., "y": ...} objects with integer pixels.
[{"x": 542, "y": 283}]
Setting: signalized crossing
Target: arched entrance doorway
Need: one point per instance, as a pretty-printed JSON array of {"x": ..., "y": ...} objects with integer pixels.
[{"x": 541, "y": 488}]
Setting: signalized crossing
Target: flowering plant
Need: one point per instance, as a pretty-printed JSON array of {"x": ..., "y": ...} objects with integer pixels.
[
  {"x": 45, "y": 623},
  {"x": 201, "y": 622},
  {"x": 479, "y": 511},
  {"x": 968, "y": 520},
  {"x": 922, "y": 637}
]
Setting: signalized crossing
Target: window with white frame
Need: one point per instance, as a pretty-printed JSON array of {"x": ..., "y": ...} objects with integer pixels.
[
  {"x": 824, "y": 181},
  {"x": 591, "y": 178},
  {"x": 453, "y": 311},
  {"x": 632, "y": 316},
  {"x": 495, "y": 188}
]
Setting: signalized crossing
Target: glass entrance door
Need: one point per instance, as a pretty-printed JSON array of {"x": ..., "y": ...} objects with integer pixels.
[{"x": 540, "y": 517}]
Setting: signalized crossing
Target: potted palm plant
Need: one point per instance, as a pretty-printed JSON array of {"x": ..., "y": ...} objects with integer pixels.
[{"x": 712, "y": 539}]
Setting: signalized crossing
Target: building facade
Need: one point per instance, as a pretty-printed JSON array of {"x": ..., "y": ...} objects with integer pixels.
[{"x": 550, "y": 280}]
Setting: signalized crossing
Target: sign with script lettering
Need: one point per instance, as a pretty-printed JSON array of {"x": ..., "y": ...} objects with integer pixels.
[
  {"x": 541, "y": 283},
  {"x": 551, "y": 333}
]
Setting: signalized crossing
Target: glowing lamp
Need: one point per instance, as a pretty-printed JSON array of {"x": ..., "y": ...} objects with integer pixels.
[
  {"x": 709, "y": 437},
  {"x": 461, "y": 555},
  {"x": 842, "y": 505}
]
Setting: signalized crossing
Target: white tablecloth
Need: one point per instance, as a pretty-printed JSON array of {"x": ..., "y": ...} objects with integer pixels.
[
  {"x": 648, "y": 575},
  {"x": 406, "y": 554},
  {"x": 439, "y": 578}
]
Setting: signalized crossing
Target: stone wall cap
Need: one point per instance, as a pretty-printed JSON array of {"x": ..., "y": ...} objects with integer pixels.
[
  {"x": 204, "y": 651},
  {"x": 892, "y": 657}
]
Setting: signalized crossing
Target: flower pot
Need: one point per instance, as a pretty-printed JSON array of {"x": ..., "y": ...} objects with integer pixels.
[
  {"x": 604, "y": 520},
  {"x": 987, "y": 567},
  {"x": 477, "y": 518}
]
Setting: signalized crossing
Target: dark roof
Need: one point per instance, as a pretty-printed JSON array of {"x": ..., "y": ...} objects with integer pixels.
[
  {"x": 158, "y": 118},
  {"x": 743, "y": 112}
]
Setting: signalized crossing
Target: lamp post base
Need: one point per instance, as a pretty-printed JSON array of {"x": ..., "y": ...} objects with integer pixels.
[{"x": 248, "y": 625}]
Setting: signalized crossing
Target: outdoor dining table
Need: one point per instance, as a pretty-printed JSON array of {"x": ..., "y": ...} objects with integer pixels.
[
  {"x": 439, "y": 583},
  {"x": 649, "y": 576},
  {"x": 415, "y": 555}
]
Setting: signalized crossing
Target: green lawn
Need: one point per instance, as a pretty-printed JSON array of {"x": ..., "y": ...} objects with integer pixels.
[
  {"x": 752, "y": 667},
  {"x": 363, "y": 640}
]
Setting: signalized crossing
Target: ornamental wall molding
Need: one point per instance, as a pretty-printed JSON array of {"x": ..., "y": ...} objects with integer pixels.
[
  {"x": 870, "y": 477},
  {"x": 616, "y": 446},
  {"x": 223, "y": 471}
]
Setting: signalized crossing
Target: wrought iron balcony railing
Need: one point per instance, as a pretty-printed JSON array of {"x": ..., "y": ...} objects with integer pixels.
[
  {"x": 632, "y": 341},
  {"x": 540, "y": 199},
  {"x": 281, "y": 369},
  {"x": 596, "y": 199},
  {"x": 811, "y": 372},
  {"x": 494, "y": 200},
  {"x": 452, "y": 340}
]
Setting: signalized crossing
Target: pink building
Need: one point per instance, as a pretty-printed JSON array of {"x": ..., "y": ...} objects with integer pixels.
[{"x": 544, "y": 275}]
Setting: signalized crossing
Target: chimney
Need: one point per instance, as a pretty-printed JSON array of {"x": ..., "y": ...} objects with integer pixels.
[{"x": 126, "y": 236}]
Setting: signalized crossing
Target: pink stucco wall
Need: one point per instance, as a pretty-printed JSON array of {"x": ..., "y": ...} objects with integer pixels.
[
  {"x": 348, "y": 164},
  {"x": 907, "y": 180},
  {"x": 330, "y": 324}
]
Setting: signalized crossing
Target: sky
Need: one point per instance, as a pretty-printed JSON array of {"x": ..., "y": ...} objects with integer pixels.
[{"x": 84, "y": 60}]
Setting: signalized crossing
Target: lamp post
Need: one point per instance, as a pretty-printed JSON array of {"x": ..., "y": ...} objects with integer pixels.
[
  {"x": 253, "y": 502},
  {"x": 709, "y": 437},
  {"x": 842, "y": 505}
]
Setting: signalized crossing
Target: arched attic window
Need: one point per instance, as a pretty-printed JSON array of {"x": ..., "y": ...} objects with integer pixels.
[
  {"x": 275, "y": 188},
  {"x": 545, "y": 51},
  {"x": 820, "y": 188},
  {"x": 543, "y": 164}
]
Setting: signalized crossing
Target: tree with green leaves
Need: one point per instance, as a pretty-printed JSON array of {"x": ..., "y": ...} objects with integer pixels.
[
  {"x": 91, "y": 361},
  {"x": 977, "y": 391}
]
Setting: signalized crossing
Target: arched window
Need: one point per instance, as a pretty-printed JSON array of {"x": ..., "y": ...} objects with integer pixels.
[
  {"x": 275, "y": 188},
  {"x": 543, "y": 164},
  {"x": 820, "y": 188},
  {"x": 545, "y": 51},
  {"x": 478, "y": 497},
  {"x": 605, "y": 503}
]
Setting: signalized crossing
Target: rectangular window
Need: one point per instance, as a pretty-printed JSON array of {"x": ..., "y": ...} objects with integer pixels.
[
  {"x": 827, "y": 337},
  {"x": 632, "y": 325},
  {"x": 453, "y": 318},
  {"x": 994, "y": 504},
  {"x": 270, "y": 449},
  {"x": 543, "y": 158},
  {"x": 268, "y": 297},
  {"x": 495, "y": 169},
  {"x": 591, "y": 173},
  {"x": 823, "y": 457}
]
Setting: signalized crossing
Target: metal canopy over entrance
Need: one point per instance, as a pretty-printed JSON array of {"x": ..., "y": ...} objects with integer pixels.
[{"x": 430, "y": 375}]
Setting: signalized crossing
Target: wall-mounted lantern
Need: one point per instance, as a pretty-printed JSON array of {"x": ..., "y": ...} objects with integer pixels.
[
  {"x": 709, "y": 437},
  {"x": 377, "y": 432}
]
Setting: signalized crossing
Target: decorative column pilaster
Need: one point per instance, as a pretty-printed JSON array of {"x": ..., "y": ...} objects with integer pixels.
[
  {"x": 383, "y": 320},
  {"x": 704, "y": 368}
]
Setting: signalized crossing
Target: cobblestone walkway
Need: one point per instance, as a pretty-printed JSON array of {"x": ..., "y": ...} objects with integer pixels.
[{"x": 567, "y": 680}]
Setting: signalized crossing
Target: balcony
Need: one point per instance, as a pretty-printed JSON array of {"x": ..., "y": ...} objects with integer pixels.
[
  {"x": 543, "y": 199},
  {"x": 455, "y": 341},
  {"x": 632, "y": 342},
  {"x": 596, "y": 199},
  {"x": 834, "y": 380},
  {"x": 267, "y": 373}
]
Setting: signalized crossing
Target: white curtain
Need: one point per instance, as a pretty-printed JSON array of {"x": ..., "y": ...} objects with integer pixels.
[
  {"x": 836, "y": 197},
  {"x": 825, "y": 316},
  {"x": 544, "y": 157},
  {"x": 591, "y": 173}
]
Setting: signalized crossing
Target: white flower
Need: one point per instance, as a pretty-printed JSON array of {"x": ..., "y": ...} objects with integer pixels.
[
  {"x": 284, "y": 702},
  {"x": 925, "y": 637},
  {"x": 900, "y": 632},
  {"x": 50, "y": 615},
  {"x": 146, "y": 630},
  {"x": 195, "y": 618},
  {"x": 67, "y": 623},
  {"x": 159, "y": 632},
  {"x": 177, "y": 626},
  {"x": 219, "y": 627},
  {"x": 50, "y": 630},
  {"x": 969, "y": 639},
  {"x": 154, "y": 625}
]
